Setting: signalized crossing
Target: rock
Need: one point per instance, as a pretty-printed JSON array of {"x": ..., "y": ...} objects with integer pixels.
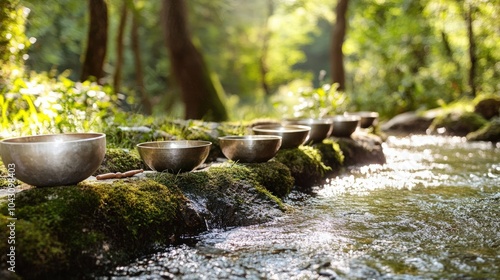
[
  {"x": 457, "y": 123},
  {"x": 489, "y": 132},
  {"x": 488, "y": 108},
  {"x": 408, "y": 123},
  {"x": 362, "y": 148}
]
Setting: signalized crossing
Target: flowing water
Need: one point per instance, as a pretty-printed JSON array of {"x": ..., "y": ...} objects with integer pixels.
[{"x": 431, "y": 212}]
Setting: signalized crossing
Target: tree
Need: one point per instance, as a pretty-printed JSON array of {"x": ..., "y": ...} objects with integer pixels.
[
  {"x": 96, "y": 42},
  {"x": 338, "y": 35},
  {"x": 199, "y": 94}
]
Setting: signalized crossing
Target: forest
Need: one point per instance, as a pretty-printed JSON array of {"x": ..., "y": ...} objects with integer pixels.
[{"x": 72, "y": 65}]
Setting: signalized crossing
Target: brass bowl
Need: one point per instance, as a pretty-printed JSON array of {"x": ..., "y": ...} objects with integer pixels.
[
  {"x": 250, "y": 148},
  {"x": 54, "y": 159},
  {"x": 320, "y": 128},
  {"x": 367, "y": 119},
  {"x": 292, "y": 136},
  {"x": 344, "y": 126},
  {"x": 174, "y": 156}
]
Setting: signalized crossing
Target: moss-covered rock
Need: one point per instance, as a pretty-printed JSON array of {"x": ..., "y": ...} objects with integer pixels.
[
  {"x": 331, "y": 154},
  {"x": 362, "y": 149},
  {"x": 457, "y": 123},
  {"x": 120, "y": 160},
  {"x": 76, "y": 230},
  {"x": 305, "y": 164},
  {"x": 229, "y": 195},
  {"x": 489, "y": 132}
]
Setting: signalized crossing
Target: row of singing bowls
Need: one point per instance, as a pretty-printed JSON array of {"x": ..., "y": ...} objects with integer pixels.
[{"x": 54, "y": 159}]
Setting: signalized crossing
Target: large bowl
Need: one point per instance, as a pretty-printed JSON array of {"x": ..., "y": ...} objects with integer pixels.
[
  {"x": 292, "y": 136},
  {"x": 367, "y": 119},
  {"x": 344, "y": 126},
  {"x": 54, "y": 159},
  {"x": 174, "y": 156},
  {"x": 320, "y": 128},
  {"x": 250, "y": 148}
]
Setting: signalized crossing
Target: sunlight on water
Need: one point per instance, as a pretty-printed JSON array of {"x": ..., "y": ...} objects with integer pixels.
[{"x": 431, "y": 212}]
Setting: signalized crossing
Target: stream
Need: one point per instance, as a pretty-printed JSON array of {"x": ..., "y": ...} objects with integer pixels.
[{"x": 431, "y": 212}]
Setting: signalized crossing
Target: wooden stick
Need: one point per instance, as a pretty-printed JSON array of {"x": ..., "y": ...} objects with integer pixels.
[{"x": 118, "y": 175}]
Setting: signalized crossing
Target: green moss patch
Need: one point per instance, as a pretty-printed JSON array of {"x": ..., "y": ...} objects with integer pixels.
[
  {"x": 305, "y": 164},
  {"x": 120, "y": 160},
  {"x": 231, "y": 194},
  {"x": 64, "y": 231}
]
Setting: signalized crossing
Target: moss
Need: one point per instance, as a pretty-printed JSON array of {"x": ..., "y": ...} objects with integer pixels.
[
  {"x": 120, "y": 160},
  {"x": 274, "y": 176},
  {"x": 4, "y": 178},
  {"x": 62, "y": 230},
  {"x": 331, "y": 154},
  {"x": 227, "y": 195},
  {"x": 305, "y": 164},
  {"x": 458, "y": 123}
]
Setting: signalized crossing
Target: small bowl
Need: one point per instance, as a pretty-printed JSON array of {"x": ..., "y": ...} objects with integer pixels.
[
  {"x": 174, "y": 156},
  {"x": 54, "y": 159},
  {"x": 320, "y": 128},
  {"x": 292, "y": 135},
  {"x": 250, "y": 148},
  {"x": 367, "y": 118},
  {"x": 344, "y": 126}
]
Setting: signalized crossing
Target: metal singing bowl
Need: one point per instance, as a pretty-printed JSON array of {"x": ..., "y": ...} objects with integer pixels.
[
  {"x": 54, "y": 159},
  {"x": 174, "y": 156},
  {"x": 292, "y": 135},
  {"x": 367, "y": 118},
  {"x": 344, "y": 126},
  {"x": 320, "y": 128},
  {"x": 250, "y": 148}
]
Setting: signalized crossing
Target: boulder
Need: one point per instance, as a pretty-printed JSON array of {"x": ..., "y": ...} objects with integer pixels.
[{"x": 488, "y": 108}]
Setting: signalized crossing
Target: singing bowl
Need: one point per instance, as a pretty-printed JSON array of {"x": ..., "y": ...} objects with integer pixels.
[
  {"x": 174, "y": 156},
  {"x": 344, "y": 126},
  {"x": 320, "y": 128},
  {"x": 367, "y": 119},
  {"x": 54, "y": 159},
  {"x": 292, "y": 136},
  {"x": 250, "y": 148}
]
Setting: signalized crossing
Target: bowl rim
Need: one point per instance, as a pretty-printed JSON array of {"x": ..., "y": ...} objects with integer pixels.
[
  {"x": 363, "y": 114},
  {"x": 306, "y": 121},
  {"x": 344, "y": 118},
  {"x": 275, "y": 128},
  {"x": 250, "y": 137},
  {"x": 10, "y": 141},
  {"x": 202, "y": 143}
]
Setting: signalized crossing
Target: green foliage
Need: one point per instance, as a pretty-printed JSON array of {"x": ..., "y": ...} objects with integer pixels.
[
  {"x": 13, "y": 41},
  {"x": 42, "y": 103},
  {"x": 304, "y": 101},
  {"x": 120, "y": 160}
]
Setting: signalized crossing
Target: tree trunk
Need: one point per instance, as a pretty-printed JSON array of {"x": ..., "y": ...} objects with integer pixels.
[
  {"x": 472, "y": 50},
  {"x": 139, "y": 75},
  {"x": 265, "y": 49},
  {"x": 199, "y": 95},
  {"x": 96, "y": 41},
  {"x": 337, "y": 40},
  {"x": 117, "y": 77}
]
